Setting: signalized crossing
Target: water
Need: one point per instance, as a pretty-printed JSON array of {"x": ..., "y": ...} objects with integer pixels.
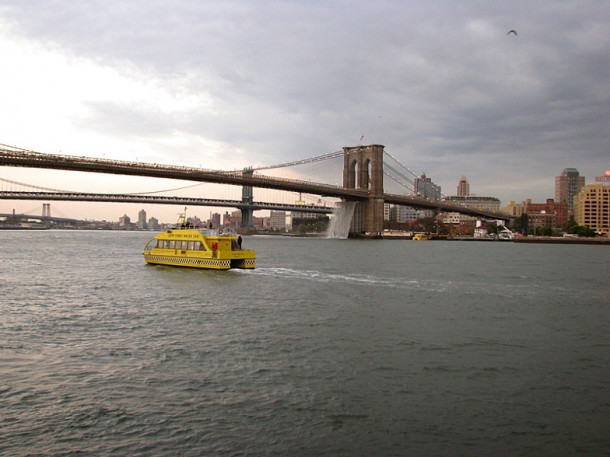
[
  {"x": 330, "y": 347},
  {"x": 342, "y": 219}
]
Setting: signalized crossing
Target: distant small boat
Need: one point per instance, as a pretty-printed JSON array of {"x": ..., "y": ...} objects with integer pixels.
[
  {"x": 420, "y": 237},
  {"x": 187, "y": 246}
]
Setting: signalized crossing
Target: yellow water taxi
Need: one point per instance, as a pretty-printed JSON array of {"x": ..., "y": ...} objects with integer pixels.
[
  {"x": 420, "y": 237},
  {"x": 188, "y": 246}
]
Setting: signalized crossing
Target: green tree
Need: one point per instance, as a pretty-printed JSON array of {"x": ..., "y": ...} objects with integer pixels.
[
  {"x": 545, "y": 231},
  {"x": 585, "y": 231},
  {"x": 518, "y": 224},
  {"x": 571, "y": 226}
]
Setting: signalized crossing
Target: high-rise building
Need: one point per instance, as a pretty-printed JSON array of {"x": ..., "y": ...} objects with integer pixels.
[
  {"x": 215, "y": 219},
  {"x": 425, "y": 188},
  {"x": 153, "y": 223},
  {"x": 142, "y": 220},
  {"x": 592, "y": 207},
  {"x": 463, "y": 188},
  {"x": 567, "y": 186}
]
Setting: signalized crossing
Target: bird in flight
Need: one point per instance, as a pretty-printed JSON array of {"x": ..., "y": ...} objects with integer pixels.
[{"x": 512, "y": 31}]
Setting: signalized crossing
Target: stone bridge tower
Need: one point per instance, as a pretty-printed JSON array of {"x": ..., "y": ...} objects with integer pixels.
[
  {"x": 247, "y": 197},
  {"x": 363, "y": 169}
]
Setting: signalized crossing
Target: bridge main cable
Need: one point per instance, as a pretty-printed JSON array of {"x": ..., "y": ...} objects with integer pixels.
[{"x": 327, "y": 156}]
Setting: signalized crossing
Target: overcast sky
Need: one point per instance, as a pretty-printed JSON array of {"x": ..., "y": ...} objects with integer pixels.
[{"x": 228, "y": 84}]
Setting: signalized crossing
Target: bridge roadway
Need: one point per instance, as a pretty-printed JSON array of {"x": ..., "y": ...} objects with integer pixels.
[
  {"x": 16, "y": 157},
  {"x": 39, "y": 218},
  {"x": 186, "y": 201}
]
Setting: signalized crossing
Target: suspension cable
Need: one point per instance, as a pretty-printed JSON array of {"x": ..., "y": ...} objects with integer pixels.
[
  {"x": 398, "y": 182},
  {"x": 34, "y": 187},
  {"x": 399, "y": 163},
  {"x": 327, "y": 156},
  {"x": 409, "y": 180},
  {"x": 69, "y": 191}
]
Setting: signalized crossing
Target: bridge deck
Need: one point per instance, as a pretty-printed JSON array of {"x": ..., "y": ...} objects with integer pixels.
[{"x": 23, "y": 158}]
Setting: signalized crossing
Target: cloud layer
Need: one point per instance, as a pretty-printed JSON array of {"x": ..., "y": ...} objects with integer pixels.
[{"x": 440, "y": 84}]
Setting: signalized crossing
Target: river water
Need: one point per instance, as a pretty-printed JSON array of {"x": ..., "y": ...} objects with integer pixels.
[{"x": 328, "y": 348}]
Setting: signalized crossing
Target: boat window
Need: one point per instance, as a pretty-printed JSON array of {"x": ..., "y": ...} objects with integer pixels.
[
  {"x": 191, "y": 245},
  {"x": 172, "y": 244}
]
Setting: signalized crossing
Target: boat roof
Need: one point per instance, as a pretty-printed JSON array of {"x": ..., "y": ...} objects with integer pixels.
[{"x": 193, "y": 233}]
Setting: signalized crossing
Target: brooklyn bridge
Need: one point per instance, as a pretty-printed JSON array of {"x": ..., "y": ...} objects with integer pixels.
[{"x": 363, "y": 171}]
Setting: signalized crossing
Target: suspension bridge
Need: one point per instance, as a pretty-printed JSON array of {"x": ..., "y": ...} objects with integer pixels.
[{"x": 362, "y": 181}]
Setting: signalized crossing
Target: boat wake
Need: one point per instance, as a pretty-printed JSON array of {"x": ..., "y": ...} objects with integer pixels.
[
  {"x": 326, "y": 277},
  {"x": 437, "y": 285}
]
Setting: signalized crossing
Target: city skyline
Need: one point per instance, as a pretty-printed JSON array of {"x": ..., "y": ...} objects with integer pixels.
[{"x": 225, "y": 86}]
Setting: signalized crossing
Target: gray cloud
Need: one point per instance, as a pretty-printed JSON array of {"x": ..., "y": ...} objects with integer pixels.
[{"x": 441, "y": 84}]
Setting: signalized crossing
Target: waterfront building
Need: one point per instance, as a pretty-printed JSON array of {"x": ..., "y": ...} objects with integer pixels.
[
  {"x": 277, "y": 220},
  {"x": 142, "y": 225},
  {"x": 482, "y": 203},
  {"x": 125, "y": 222},
  {"x": 195, "y": 221},
  {"x": 592, "y": 207},
  {"x": 421, "y": 213},
  {"x": 387, "y": 211},
  {"x": 549, "y": 214},
  {"x": 153, "y": 223},
  {"x": 296, "y": 218},
  {"x": 215, "y": 219},
  {"x": 401, "y": 213},
  {"x": 232, "y": 220},
  {"x": 425, "y": 188},
  {"x": 463, "y": 188},
  {"x": 450, "y": 218},
  {"x": 514, "y": 209},
  {"x": 567, "y": 186}
]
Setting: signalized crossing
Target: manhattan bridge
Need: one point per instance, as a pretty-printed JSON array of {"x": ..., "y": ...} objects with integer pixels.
[{"x": 369, "y": 176}]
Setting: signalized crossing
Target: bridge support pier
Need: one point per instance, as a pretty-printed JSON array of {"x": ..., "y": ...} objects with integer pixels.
[
  {"x": 247, "y": 197},
  {"x": 363, "y": 169}
]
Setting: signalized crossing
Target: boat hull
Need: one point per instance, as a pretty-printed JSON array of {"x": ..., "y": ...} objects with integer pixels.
[{"x": 198, "y": 262}]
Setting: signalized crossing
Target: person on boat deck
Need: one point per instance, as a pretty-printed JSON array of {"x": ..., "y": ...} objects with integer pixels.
[{"x": 239, "y": 241}]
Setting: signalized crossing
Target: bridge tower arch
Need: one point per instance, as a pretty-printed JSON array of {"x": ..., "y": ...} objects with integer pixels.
[{"x": 363, "y": 169}]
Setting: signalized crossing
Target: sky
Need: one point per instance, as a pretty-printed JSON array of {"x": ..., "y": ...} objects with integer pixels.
[{"x": 232, "y": 83}]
